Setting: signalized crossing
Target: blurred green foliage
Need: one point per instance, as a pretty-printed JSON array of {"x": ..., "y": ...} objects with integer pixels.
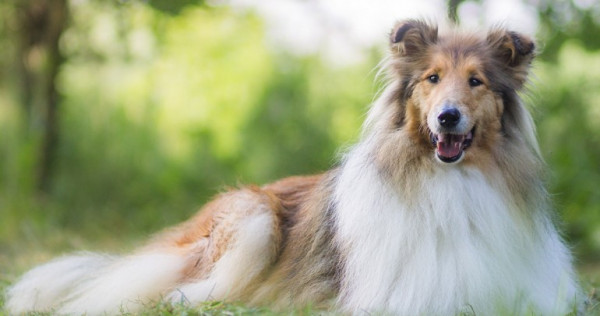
[
  {"x": 163, "y": 108},
  {"x": 159, "y": 112},
  {"x": 567, "y": 100}
]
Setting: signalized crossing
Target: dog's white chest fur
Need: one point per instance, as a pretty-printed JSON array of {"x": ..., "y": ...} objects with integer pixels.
[{"x": 461, "y": 247}]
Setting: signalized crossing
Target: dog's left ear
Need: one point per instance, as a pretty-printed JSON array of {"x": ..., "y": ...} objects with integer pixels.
[
  {"x": 512, "y": 48},
  {"x": 513, "y": 54}
]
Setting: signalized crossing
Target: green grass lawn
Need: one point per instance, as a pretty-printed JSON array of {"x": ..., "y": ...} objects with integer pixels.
[{"x": 207, "y": 308}]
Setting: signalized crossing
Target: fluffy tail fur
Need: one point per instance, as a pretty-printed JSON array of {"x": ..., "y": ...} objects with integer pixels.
[{"x": 95, "y": 284}]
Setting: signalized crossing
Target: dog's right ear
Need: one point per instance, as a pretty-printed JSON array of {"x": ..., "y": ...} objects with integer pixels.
[{"x": 412, "y": 37}]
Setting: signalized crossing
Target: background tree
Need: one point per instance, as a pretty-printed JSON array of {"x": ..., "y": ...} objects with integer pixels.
[{"x": 40, "y": 25}]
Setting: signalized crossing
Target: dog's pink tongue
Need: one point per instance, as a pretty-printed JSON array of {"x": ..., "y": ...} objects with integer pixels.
[{"x": 449, "y": 145}]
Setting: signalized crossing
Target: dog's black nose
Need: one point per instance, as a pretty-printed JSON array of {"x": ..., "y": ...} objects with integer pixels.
[{"x": 449, "y": 117}]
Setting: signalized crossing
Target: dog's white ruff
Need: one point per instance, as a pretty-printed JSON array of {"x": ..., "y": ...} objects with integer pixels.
[{"x": 460, "y": 245}]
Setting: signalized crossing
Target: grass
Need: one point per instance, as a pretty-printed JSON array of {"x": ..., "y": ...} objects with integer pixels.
[
  {"x": 207, "y": 308},
  {"x": 204, "y": 309}
]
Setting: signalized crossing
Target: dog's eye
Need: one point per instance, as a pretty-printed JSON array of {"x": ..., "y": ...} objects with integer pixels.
[
  {"x": 474, "y": 82},
  {"x": 434, "y": 78}
]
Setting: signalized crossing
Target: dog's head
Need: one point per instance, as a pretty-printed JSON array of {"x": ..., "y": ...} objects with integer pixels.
[{"x": 456, "y": 92}]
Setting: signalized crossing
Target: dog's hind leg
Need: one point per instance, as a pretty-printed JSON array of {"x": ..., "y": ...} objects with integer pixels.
[{"x": 243, "y": 240}]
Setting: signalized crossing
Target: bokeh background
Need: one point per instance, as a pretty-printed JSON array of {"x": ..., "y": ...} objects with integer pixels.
[{"x": 118, "y": 118}]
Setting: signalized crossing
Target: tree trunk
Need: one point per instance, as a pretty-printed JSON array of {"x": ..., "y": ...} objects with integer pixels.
[{"x": 42, "y": 22}]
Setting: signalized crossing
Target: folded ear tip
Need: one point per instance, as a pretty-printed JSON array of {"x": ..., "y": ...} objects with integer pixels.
[
  {"x": 523, "y": 44},
  {"x": 403, "y": 30},
  {"x": 399, "y": 31}
]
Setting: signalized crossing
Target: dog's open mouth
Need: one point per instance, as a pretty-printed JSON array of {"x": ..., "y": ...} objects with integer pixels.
[{"x": 450, "y": 147}]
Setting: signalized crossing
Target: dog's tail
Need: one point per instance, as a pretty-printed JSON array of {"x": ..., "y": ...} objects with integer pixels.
[{"x": 95, "y": 284}]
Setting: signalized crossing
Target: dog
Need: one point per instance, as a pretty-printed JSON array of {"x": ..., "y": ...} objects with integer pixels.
[{"x": 439, "y": 209}]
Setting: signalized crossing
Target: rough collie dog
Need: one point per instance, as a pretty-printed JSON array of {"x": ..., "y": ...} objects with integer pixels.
[{"x": 439, "y": 209}]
